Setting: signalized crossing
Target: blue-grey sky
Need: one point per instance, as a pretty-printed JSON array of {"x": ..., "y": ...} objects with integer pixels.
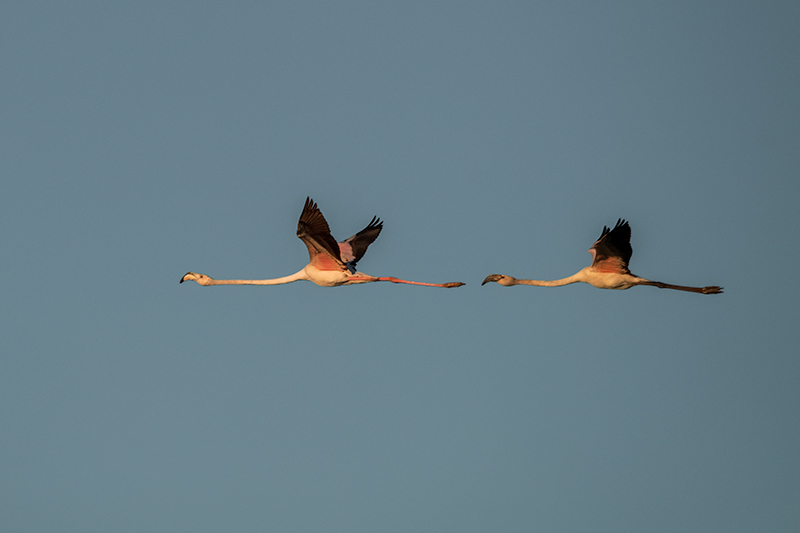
[{"x": 141, "y": 140}]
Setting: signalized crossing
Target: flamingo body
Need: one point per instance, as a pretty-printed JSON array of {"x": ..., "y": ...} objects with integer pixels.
[
  {"x": 609, "y": 269},
  {"x": 331, "y": 263}
]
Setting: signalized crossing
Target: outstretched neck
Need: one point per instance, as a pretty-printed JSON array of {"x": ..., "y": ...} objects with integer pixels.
[
  {"x": 575, "y": 278},
  {"x": 276, "y": 281}
]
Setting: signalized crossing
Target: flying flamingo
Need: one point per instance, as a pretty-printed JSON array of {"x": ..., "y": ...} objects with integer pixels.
[
  {"x": 332, "y": 263},
  {"x": 609, "y": 269}
]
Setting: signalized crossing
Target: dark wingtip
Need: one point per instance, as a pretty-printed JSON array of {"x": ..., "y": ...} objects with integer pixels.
[{"x": 309, "y": 205}]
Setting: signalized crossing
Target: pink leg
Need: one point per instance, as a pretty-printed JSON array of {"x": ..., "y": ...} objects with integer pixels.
[
  {"x": 702, "y": 290},
  {"x": 445, "y": 285}
]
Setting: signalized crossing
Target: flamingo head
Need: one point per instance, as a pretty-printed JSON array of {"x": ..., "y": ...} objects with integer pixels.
[
  {"x": 202, "y": 279},
  {"x": 503, "y": 280}
]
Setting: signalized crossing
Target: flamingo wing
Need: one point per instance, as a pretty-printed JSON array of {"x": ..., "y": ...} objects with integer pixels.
[
  {"x": 313, "y": 230},
  {"x": 351, "y": 250},
  {"x": 612, "y": 251}
]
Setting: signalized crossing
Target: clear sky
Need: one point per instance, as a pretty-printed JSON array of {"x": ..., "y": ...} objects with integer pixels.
[{"x": 141, "y": 140}]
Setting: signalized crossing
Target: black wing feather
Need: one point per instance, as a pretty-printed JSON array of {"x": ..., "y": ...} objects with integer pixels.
[
  {"x": 614, "y": 242},
  {"x": 312, "y": 225},
  {"x": 361, "y": 240}
]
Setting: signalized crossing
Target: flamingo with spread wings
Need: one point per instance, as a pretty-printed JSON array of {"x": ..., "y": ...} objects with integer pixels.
[
  {"x": 609, "y": 269},
  {"x": 332, "y": 263}
]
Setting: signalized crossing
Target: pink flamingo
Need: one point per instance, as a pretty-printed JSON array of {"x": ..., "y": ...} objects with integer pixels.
[
  {"x": 332, "y": 263},
  {"x": 609, "y": 268}
]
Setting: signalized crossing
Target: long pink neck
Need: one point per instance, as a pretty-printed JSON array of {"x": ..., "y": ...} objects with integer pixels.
[
  {"x": 277, "y": 281},
  {"x": 553, "y": 283}
]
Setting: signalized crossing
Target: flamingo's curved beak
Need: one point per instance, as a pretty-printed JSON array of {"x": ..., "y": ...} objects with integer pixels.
[{"x": 491, "y": 277}]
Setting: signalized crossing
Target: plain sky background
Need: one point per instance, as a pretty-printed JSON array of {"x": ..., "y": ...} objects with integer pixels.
[{"x": 144, "y": 139}]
